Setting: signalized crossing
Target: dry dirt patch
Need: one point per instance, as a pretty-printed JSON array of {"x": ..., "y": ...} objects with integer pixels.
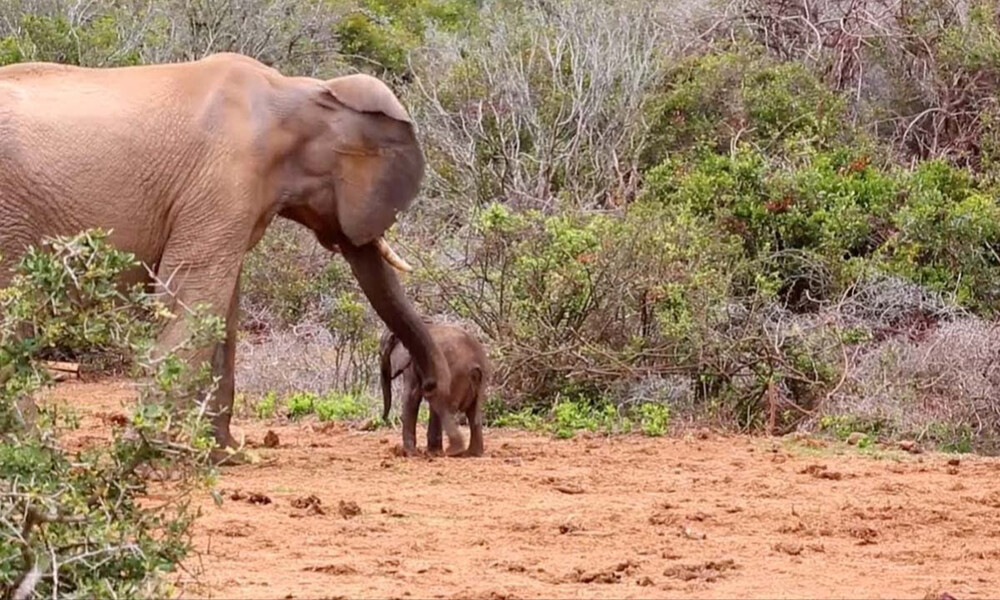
[{"x": 627, "y": 517}]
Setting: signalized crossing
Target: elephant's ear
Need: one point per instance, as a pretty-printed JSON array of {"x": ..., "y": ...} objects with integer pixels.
[
  {"x": 367, "y": 94},
  {"x": 376, "y": 183}
]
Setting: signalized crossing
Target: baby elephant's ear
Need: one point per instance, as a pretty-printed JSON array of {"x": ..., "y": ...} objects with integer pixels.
[{"x": 367, "y": 94}]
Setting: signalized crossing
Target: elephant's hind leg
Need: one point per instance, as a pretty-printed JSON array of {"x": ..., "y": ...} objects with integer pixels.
[
  {"x": 435, "y": 442},
  {"x": 475, "y": 416}
]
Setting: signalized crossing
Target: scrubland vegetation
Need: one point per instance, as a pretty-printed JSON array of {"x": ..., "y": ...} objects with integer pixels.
[{"x": 762, "y": 215}]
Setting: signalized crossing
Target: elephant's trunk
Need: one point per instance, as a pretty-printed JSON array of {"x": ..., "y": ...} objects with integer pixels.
[
  {"x": 386, "y": 346},
  {"x": 386, "y": 296}
]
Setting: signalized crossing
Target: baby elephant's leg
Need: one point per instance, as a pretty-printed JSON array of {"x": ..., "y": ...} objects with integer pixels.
[
  {"x": 411, "y": 406},
  {"x": 475, "y": 416},
  {"x": 435, "y": 444},
  {"x": 456, "y": 441}
]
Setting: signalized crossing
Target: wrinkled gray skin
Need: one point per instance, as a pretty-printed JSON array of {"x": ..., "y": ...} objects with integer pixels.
[
  {"x": 188, "y": 164},
  {"x": 470, "y": 370}
]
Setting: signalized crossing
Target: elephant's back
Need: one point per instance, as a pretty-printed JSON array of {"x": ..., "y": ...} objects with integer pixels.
[{"x": 460, "y": 347}]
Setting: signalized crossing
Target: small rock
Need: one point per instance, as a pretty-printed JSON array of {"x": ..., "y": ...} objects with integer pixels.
[
  {"x": 569, "y": 527},
  {"x": 569, "y": 488},
  {"x": 644, "y": 582},
  {"x": 954, "y": 462},
  {"x": 662, "y": 519},
  {"x": 311, "y": 503},
  {"x": 693, "y": 535},
  {"x": 703, "y": 434},
  {"x": 855, "y": 438},
  {"x": 258, "y": 499},
  {"x": 348, "y": 509},
  {"x": 606, "y": 576},
  {"x": 789, "y": 548},
  {"x": 271, "y": 439},
  {"x": 821, "y": 472},
  {"x": 909, "y": 446}
]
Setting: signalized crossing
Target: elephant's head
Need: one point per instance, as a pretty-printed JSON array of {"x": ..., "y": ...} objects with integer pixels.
[{"x": 354, "y": 163}]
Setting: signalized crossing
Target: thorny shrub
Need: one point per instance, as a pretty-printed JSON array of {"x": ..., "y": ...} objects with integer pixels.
[
  {"x": 920, "y": 75},
  {"x": 75, "y": 522}
]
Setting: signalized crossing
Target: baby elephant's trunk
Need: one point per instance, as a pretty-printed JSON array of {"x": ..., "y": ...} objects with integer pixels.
[{"x": 386, "y": 345}]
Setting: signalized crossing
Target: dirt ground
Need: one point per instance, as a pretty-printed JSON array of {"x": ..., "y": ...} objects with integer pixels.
[{"x": 626, "y": 517}]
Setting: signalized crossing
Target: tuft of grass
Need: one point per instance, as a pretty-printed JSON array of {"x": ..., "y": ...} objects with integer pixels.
[
  {"x": 654, "y": 419},
  {"x": 300, "y": 404},
  {"x": 340, "y": 407},
  {"x": 267, "y": 406}
]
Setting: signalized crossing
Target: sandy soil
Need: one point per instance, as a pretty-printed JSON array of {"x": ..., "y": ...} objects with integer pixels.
[{"x": 628, "y": 517}]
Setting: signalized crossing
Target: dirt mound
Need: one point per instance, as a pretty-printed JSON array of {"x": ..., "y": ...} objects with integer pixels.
[{"x": 628, "y": 517}]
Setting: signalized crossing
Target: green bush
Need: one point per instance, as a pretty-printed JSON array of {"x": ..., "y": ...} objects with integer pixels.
[
  {"x": 300, "y": 404},
  {"x": 723, "y": 98},
  {"x": 803, "y": 223},
  {"x": 340, "y": 407},
  {"x": 561, "y": 293},
  {"x": 381, "y": 33},
  {"x": 948, "y": 236},
  {"x": 53, "y": 38},
  {"x": 654, "y": 419},
  {"x": 267, "y": 406},
  {"x": 572, "y": 415},
  {"x": 332, "y": 406},
  {"x": 74, "y": 525}
]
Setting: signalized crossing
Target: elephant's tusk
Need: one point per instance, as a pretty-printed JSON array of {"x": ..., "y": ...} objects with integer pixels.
[{"x": 391, "y": 257}]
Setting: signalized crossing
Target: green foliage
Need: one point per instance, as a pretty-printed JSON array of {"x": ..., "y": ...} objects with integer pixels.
[
  {"x": 284, "y": 274},
  {"x": 654, "y": 419},
  {"x": 53, "y": 38},
  {"x": 340, "y": 407},
  {"x": 572, "y": 415},
  {"x": 525, "y": 418},
  {"x": 267, "y": 406},
  {"x": 332, "y": 406},
  {"x": 300, "y": 404},
  {"x": 842, "y": 426},
  {"x": 380, "y": 33},
  {"x": 956, "y": 438},
  {"x": 76, "y": 520},
  {"x": 564, "y": 290},
  {"x": 948, "y": 236},
  {"x": 804, "y": 223},
  {"x": 724, "y": 97}
]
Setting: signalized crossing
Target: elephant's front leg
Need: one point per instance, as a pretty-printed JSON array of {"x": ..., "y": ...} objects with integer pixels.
[
  {"x": 186, "y": 283},
  {"x": 224, "y": 367}
]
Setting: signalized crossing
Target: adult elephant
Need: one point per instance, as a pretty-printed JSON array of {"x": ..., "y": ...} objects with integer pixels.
[{"x": 188, "y": 163}]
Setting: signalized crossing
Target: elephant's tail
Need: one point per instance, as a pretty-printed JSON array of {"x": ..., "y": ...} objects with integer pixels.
[{"x": 386, "y": 345}]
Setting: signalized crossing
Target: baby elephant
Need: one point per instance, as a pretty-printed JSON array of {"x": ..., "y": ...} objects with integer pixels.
[{"x": 469, "y": 373}]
